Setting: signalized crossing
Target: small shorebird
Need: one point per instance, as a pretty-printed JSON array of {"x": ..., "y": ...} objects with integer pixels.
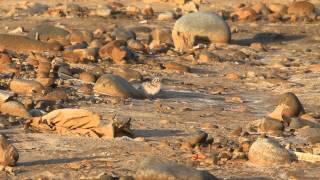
[{"x": 152, "y": 87}]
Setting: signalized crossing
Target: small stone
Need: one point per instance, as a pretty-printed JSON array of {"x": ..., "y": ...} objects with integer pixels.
[
  {"x": 206, "y": 57},
  {"x": 162, "y": 35},
  {"x": 147, "y": 11},
  {"x": 132, "y": 10},
  {"x": 179, "y": 68},
  {"x": 266, "y": 152},
  {"x": 314, "y": 68},
  {"x": 102, "y": 11},
  {"x": 166, "y": 16},
  {"x": 232, "y": 76},
  {"x": 106, "y": 50},
  {"x": 119, "y": 55},
  {"x": 190, "y": 6},
  {"x": 5, "y": 59},
  {"x": 136, "y": 45},
  {"x": 128, "y": 74},
  {"x": 116, "y": 86},
  {"x": 245, "y": 13},
  {"x": 269, "y": 125},
  {"x": 5, "y": 95},
  {"x": 8, "y": 153},
  {"x": 27, "y": 87},
  {"x": 14, "y": 108},
  {"x": 195, "y": 28},
  {"x": 260, "y": 8},
  {"x": 123, "y": 34},
  {"x": 233, "y": 99},
  {"x": 77, "y": 37},
  {"x": 236, "y": 133},
  {"x": 257, "y": 46},
  {"x": 196, "y": 137},
  {"x": 87, "y": 77},
  {"x": 45, "y": 81},
  {"x": 157, "y": 168},
  {"x": 277, "y": 8}
]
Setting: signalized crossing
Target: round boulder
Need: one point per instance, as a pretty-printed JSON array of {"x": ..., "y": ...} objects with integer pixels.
[
  {"x": 116, "y": 86},
  {"x": 156, "y": 168},
  {"x": 265, "y": 152},
  {"x": 200, "y": 27}
]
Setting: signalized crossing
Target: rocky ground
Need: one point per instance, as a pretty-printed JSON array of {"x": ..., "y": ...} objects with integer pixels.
[{"x": 218, "y": 88}]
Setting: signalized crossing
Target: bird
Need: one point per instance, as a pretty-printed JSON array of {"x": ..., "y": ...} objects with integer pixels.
[{"x": 153, "y": 87}]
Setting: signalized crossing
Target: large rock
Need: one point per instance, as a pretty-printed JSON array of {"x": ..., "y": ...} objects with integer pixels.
[
  {"x": 288, "y": 106},
  {"x": 160, "y": 169},
  {"x": 14, "y": 108},
  {"x": 266, "y": 151},
  {"x": 24, "y": 44},
  {"x": 27, "y": 87},
  {"x": 311, "y": 135},
  {"x": 48, "y": 32},
  {"x": 199, "y": 27},
  {"x": 116, "y": 86}
]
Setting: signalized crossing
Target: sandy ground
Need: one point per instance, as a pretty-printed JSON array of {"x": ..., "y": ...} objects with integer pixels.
[{"x": 191, "y": 103}]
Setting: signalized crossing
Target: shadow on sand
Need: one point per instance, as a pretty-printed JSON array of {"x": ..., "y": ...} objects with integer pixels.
[{"x": 267, "y": 37}]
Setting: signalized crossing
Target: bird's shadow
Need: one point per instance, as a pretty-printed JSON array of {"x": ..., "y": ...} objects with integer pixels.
[
  {"x": 168, "y": 94},
  {"x": 54, "y": 161},
  {"x": 266, "y": 38},
  {"x": 158, "y": 133}
]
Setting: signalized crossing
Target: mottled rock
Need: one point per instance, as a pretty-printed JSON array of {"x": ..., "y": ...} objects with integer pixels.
[
  {"x": 277, "y": 8},
  {"x": 266, "y": 152},
  {"x": 260, "y": 8},
  {"x": 14, "y": 108},
  {"x": 175, "y": 67},
  {"x": 102, "y": 11},
  {"x": 48, "y": 32},
  {"x": 87, "y": 77},
  {"x": 123, "y": 34},
  {"x": 245, "y": 13},
  {"x": 196, "y": 137},
  {"x": 301, "y": 8},
  {"x": 128, "y": 74},
  {"x": 136, "y": 45},
  {"x": 288, "y": 106},
  {"x": 311, "y": 135},
  {"x": 106, "y": 50},
  {"x": 194, "y": 28},
  {"x": 27, "y": 87},
  {"x": 162, "y": 35},
  {"x": 5, "y": 95},
  {"x": 166, "y": 16},
  {"x": 8, "y": 153},
  {"x": 268, "y": 125},
  {"x": 116, "y": 86},
  {"x": 24, "y": 44},
  {"x": 157, "y": 168}
]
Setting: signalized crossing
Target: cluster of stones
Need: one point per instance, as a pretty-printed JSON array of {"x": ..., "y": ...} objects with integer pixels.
[{"x": 273, "y": 12}]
